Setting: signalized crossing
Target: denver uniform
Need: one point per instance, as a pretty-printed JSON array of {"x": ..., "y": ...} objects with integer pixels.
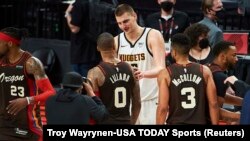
[
  {"x": 138, "y": 55},
  {"x": 187, "y": 94},
  {"x": 16, "y": 83}
]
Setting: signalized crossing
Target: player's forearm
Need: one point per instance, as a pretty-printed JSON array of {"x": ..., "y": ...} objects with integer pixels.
[
  {"x": 153, "y": 73},
  {"x": 214, "y": 113},
  {"x": 135, "y": 113},
  {"x": 161, "y": 115},
  {"x": 228, "y": 115},
  {"x": 45, "y": 90}
]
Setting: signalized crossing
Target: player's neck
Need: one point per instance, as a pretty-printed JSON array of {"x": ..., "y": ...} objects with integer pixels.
[
  {"x": 220, "y": 63},
  {"x": 14, "y": 55},
  {"x": 134, "y": 35},
  {"x": 110, "y": 58},
  {"x": 182, "y": 60}
]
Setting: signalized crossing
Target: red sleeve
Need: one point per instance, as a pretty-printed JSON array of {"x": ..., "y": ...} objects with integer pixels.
[
  {"x": 45, "y": 90},
  {"x": 97, "y": 94}
]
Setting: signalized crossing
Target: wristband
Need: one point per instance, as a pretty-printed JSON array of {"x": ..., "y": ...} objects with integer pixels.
[{"x": 28, "y": 100}]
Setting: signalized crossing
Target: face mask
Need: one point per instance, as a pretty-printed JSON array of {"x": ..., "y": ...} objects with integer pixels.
[
  {"x": 204, "y": 43},
  {"x": 167, "y": 5},
  {"x": 220, "y": 14}
]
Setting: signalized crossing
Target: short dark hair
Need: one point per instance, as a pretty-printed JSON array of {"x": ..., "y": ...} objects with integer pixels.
[
  {"x": 15, "y": 32},
  {"x": 105, "y": 42},
  {"x": 181, "y": 43},
  {"x": 222, "y": 46},
  {"x": 123, "y": 8},
  {"x": 206, "y": 4},
  {"x": 194, "y": 31}
]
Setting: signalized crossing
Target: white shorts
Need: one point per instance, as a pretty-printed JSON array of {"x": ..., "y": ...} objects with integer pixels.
[{"x": 148, "y": 112}]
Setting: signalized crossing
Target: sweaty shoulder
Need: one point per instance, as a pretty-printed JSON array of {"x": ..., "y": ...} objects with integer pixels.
[
  {"x": 96, "y": 76},
  {"x": 154, "y": 35},
  {"x": 35, "y": 67},
  {"x": 206, "y": 72}
]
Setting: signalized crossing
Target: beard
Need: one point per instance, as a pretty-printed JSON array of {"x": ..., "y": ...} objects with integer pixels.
[{"x": 230, "y": 65}]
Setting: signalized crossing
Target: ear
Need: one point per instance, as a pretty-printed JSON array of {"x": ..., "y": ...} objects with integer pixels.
[
  {"x": 208, "y": 11},
  {"x": 223, "y": 57},
  {"x": 134, "y": 15},
  {"x": 10, "y": 43},
  {"x": 159, "y": 2}
]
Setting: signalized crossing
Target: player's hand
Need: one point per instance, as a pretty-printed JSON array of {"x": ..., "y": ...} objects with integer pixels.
[
  {"x": 230, "y": 79},
  {"x": 138, "y": 74},
  {"x": 16, "y": 105},
  {"x": 88, "y": 89}
]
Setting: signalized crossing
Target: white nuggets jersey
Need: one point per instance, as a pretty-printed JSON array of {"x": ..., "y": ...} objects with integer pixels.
[{"x": 140, "y": 56}]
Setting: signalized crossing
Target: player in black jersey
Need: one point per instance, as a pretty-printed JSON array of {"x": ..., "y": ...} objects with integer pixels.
[
  {"x": 115, "y": 83},
  {"x": 24, "y": 87},
  {"x": 184, "y": 87}
]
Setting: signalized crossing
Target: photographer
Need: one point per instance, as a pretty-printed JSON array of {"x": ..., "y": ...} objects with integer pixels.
[{"x": 69, "y": 106}]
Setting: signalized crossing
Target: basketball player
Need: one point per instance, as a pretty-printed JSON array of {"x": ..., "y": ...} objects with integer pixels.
[
  {"x": 115, "y": 83},
  {"x": 184, "y": 87},
  {"x": 23, "y": 85},
  {"x": 143, "y": 48}
]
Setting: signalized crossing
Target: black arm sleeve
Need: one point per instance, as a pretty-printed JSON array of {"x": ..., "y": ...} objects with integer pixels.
[
  {"x": 221, "y": 88},
  {"x": 241, "y": 88}
]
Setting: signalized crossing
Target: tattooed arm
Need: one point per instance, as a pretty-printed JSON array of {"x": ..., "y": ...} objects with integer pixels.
[{"x": 44, "y": 87}]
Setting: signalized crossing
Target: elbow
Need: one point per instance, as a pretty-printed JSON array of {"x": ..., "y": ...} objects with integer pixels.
[{"x": 75, "y": 29}]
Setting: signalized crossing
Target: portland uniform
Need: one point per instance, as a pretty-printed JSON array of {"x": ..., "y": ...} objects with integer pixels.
[
  {"x": 16, "y": 83},
  {"x": 187, "y": 94},
  {"x": 117, "y": 91}
]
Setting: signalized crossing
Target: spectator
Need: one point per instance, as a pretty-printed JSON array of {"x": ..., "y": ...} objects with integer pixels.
[
  {"x": 200, "y": 51},
  {"x": 168, "y": 21},
  {"x": 212, "y": 10},
  {"x": 143, "y": 49},
  {"x": 115, "y": 82},
  {"x": 184, "y": 88},
  {"x": 83, "y": 51},
  {"x": 69, "y": 106}
]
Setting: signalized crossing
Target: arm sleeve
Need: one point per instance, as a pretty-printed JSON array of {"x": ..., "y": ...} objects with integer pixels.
[
  {"x": 97, "y": 110},
  {"x": 45, "y": 90},
  {"x": 241, "y": 88},
  {"x": 221, "y": 88}
]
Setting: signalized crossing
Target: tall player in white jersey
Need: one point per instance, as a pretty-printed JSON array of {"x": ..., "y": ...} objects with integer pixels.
[{"x": 143, "y": 48}]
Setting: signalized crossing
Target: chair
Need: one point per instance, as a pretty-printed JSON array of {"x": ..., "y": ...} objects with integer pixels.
[{"x": 47, "y": 57}]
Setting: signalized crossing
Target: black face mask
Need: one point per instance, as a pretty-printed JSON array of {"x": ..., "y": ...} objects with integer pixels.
[
  {"x": 167, "y": 5},
  {"x": 221, "y": 14},
  {"x": 204, "y": 43}
]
